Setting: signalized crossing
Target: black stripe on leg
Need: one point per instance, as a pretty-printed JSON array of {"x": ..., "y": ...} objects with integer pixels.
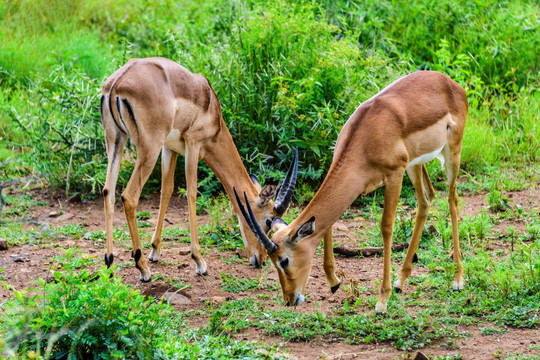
[
  {"x": 120, "y": 112},
  {"x": 415, "y": 258},
  {"x": 116, "y": 145},
  {"x": 130, "y": 111},
  {"x": 114, "y": 119},
  {"x": 137, "y": 257}
]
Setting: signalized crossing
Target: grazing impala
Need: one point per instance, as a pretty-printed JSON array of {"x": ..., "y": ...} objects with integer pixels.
[
  {"x": 165, "y": 108},
  {"x": 416, "y": 119}
]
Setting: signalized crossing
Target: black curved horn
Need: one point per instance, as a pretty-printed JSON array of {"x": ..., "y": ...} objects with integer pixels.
[
  {"x": 287, "y": 188},
  {"x": 254, "y": 224}
]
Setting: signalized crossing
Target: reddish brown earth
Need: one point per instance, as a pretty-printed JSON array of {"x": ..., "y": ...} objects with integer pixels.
[{"x": 30, "y": 262}]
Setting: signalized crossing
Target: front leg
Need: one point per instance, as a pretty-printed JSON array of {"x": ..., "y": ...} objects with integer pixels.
[
  {"x": 192, "y": 158},
  {"x": 329, "y": 264},
  {"x": 168, "y": 164},
  {"x": 391, "y": 199}
]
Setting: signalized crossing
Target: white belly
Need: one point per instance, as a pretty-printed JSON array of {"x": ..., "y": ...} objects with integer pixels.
[
  {"x": 175, "y": 143},
  {"x": 428, "y": 157}
]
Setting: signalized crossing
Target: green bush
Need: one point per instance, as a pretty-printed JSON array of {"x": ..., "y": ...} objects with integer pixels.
[
  {"x": 80, "y": 315},
  {"x": 287, "y": 75}
]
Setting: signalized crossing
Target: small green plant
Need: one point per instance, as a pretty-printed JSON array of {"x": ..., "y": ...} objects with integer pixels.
[
  {"x": 144, "y": 215},
  {"x": 497, "y": 201},
  {"x": 490, "y": 330},
  {"x": 533, "y": 232}
]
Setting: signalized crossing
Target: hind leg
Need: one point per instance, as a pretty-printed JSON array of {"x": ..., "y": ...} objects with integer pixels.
[
  {"x": 424, "y": 193},
  {"x": 115, "y": 145},
  {"x": 452, "y": 168},
  {"x": 146, "y": 159}
]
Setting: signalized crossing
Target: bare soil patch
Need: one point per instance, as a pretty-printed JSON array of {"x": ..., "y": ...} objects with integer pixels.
[{"x": 29, "y": 262}]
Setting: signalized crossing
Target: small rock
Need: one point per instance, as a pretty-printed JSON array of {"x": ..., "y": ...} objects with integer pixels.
[
  {"x": 55, "y": 213},
  {"x": 183, "y": 265},
  {"x": 3, "y": 244},
  {"x": 338, "y": 225},
  {"x": 17, "y": 258},
  {"x": 216, "y": 300},
  {"x": 184, "y": 251},
  {"x": 420, "y": 356},
  {"x": 64, "y": 217},
  {"x": 176, "y": 299}
]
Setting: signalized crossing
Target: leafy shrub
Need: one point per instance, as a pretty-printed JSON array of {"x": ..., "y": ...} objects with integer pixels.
[
  {"x": 80, "y": 315},
  {"x": 288, "y": 75}
]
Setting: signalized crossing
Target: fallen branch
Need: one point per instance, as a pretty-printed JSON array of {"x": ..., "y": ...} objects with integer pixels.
[{"x": 368, "y": 251}]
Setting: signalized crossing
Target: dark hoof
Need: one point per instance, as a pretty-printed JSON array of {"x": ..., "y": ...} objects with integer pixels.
[
  {"x": 379, "y": 314},
  {"x": 397, "y": 290},
  {"x": 415, "y": 258},
  {"x": 109, "y": 260},
  {"x": 203, "y": 274},
  {"x": 457, "y": 290},
  {"x": 147, "y": 281},
  {"x": 153, "y": 261},
  {"x": 335, "y": 288}
]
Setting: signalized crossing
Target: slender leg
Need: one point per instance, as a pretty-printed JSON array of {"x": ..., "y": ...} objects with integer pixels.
[
  {"x": 192, "y": 158},
  {"x": 168, "y": 165},
  {"x": 424, "y": 193},
  {"x": 143, "y": 168},
  {"x": 115, "y": 146},
  {"x": 452, "y": 168},
  {"x": 329, "y": 263},
  {"x": 391, "y": 199}
]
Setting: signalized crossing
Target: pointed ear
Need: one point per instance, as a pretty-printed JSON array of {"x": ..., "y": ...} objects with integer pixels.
[
  {"x": 278, "y": 224},
  {"x": 267, "y": 193},
  {"x": 255, "y": 182},
  {"x": 305, "y": 230}
]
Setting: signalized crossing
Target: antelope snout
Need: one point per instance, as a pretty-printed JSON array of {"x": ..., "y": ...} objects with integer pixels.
[
  {"x": 295, "y": 300},
  {"x": 254, "y": 260}
]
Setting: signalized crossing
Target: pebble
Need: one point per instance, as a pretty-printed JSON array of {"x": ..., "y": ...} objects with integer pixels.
[{"x": 176, "y": 299}]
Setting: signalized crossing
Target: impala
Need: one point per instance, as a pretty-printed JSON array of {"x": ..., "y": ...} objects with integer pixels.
[
  {"x": 414, "y": 120},
  {"x": 166, "y": 109}
]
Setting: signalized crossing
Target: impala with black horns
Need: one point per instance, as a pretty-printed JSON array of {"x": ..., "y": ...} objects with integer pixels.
[
  {"x": 164, "y": 108},
  {"x": 414, "y": 120}
]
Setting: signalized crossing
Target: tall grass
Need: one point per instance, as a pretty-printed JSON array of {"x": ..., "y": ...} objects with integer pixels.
[{"x": 288, "y": 74}]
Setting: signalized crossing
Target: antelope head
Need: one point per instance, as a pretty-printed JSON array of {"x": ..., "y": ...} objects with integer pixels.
[
  {"x": 266, "y": 209},
  {"x": 291, "y": 256}
]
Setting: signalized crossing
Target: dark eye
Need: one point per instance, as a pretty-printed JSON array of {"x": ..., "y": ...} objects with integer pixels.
[{"x": 284, "y": 263}]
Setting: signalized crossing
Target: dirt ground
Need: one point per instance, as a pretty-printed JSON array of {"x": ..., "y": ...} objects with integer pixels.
[{"x": 29, "y": 262}]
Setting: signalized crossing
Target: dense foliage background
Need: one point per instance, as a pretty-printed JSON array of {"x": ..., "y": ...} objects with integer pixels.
[{"x": 288, "y": 74}]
